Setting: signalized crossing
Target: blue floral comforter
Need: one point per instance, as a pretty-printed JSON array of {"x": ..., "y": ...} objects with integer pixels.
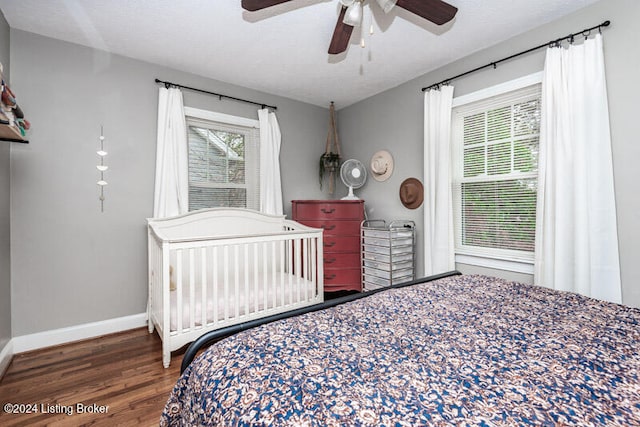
[{"x": 464, "y": 351}]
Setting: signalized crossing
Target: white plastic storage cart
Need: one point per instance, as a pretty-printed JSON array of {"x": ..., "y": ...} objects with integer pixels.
[{"x": 388, "y": 254}]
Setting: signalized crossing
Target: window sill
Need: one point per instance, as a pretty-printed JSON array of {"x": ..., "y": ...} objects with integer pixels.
[{"x": 517, "y": 266}]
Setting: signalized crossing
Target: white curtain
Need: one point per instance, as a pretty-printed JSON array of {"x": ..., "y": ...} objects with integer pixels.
[
  {"x": 438, "y": 207},
  {"x": 171, "y": 195},
  {"x": 576, "y": 236},
  {"x": 270, "y": 185}
]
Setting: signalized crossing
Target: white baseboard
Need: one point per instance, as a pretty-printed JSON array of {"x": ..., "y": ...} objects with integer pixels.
[
  {"x": 5, "y": 357},
  {"x": 75, "y": 333}
]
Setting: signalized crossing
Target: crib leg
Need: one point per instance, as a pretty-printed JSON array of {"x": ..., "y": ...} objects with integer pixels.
[
  {"x": 149, "y": 321},
  {"x": 166, "y": 356}
]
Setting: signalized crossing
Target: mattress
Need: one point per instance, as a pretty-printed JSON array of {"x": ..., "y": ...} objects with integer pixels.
[
  {"x": 465, "y": 350},
  {"x": 281, "y": 290}
]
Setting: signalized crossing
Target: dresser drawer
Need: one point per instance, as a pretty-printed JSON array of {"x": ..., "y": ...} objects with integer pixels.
[
  {"x": 338, "y": 228},
  {"x": 345, "y": 278},
  {"x": 339, "y": 261},
  {"x": 328, "y": 210},
  {"x": 332, "y": 244}
]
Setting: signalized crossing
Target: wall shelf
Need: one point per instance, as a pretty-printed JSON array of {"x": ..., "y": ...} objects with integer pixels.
[
  {"x": 10, "y": 133},
  {"x": 13, "y": 124}
]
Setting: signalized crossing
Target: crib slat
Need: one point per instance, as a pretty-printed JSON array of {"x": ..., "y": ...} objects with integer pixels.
[
  {"x": 225, "y": 269},
  {"x": 274, "y": 284},
  {"x": 291, "y": 264},
  {"x": 203, "y": 283},
  {"x": 297, "y": 269},
  {"x": 303, "y": 271},
  {"x": 246, "y": 296},
  {"x": 281, "y": 286},
  {"x": 312, "y": 267},
  {"x": 178, "y": 290},
  {"x": 192, "y": 287},
  {"x": 236, "y": 281},
  {"x": 164, "y": 306},
  {"x": 214, "y": 266},
  {"x": 265, "y": 284},
  {"x": 256, "y": 284}
]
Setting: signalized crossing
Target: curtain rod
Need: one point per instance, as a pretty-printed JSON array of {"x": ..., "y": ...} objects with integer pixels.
[
  {"x": 219, "y": 95},
  {"x": 493, "y": 64}
]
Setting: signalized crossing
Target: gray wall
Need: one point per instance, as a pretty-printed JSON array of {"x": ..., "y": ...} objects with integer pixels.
[
  {"x": 72, "y": 264},
  {"x": 5, "y": 200},
  {"x": 394, "y": 120}
]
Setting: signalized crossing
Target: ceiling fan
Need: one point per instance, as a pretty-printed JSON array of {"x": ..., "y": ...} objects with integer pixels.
[{"x": 436, "y": 11}]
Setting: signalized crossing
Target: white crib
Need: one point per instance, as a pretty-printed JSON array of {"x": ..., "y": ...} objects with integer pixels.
[{"x": 217, "y": 267}]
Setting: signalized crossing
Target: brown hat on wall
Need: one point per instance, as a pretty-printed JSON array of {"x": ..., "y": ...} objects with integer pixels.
[{"x": 411, "y": 193}]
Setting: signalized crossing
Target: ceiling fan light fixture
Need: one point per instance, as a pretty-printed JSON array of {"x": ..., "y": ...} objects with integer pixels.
[
  {"x": 353, "y": 16},
  {"x": 387, "y": 5}
]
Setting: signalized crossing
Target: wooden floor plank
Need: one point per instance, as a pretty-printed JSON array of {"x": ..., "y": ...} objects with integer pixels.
[{"x": 122, "y": 371}]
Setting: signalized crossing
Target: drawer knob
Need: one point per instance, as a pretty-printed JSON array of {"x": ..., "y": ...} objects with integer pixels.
[
  {"x": 328, "y": 227},
  {"x": 330, "y": 277},
  {"x": 329, "y": 244},
  {"x": 328, "y": 211},
  {"x": 329, "y": 260}
]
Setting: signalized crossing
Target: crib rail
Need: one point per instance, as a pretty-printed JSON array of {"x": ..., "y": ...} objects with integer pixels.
[{"x": 206, "y": 284}]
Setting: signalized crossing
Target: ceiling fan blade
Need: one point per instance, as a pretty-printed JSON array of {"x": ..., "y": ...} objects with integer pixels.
[
  {"x": 341, "y": 35},
  {"x": 253, "y": 5},
  {"x": 435, "y": 11}
]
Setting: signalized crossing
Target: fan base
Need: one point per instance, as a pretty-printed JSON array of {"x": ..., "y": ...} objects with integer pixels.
[{"x": 350, "y": 196}]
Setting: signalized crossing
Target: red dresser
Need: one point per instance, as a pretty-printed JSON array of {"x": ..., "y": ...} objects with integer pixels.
[{"x": 340, "y": 220}]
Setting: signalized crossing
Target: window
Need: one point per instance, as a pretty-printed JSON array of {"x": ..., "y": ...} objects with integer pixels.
[
  {"x": 495, "y": 164},
  {"x": 223, "y": 160}
]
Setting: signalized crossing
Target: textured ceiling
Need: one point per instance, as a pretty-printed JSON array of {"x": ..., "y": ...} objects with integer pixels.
[{"x": 283, "y": 50}]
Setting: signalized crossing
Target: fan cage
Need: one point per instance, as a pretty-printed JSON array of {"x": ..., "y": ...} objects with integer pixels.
[{"x": 347, "y": 177}]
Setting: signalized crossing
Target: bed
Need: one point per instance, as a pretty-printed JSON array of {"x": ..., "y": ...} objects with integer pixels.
[
  {"x": 455, "y": 350},
  {"x": 213, "y": 268}
]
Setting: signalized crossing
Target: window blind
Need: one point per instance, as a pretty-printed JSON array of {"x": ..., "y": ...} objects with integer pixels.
[
  {"x": 223, "y": 165},
  {"x": 495, "y": 144}
]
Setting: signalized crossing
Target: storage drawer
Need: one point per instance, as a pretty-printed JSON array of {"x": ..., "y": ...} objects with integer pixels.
[
  {"x": 340, "y": 228},
  {"x": 388, "y": 258},
  {"x": 388, "y": 266},
  {"x": 397, "y": 275},
  {"x": 329, "y": 210},
  {"x": 369, "y": 286},
  {"x": 374, "y": 281},
  {"x": 386, "y": 250},
  {"x": 388, "y": 242},
  {"x": 340, "y": 260},
  {"x": 388, "y": 234},
  {"x": 341, "y": 244},
  {"x": 370, "y": 281}
]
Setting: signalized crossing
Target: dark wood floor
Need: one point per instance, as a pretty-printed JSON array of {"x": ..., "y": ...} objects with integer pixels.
[{"x": 122, "y": 371}]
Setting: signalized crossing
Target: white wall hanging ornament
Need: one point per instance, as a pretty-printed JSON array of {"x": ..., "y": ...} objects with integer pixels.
[{"x": 102, "y": 168}]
